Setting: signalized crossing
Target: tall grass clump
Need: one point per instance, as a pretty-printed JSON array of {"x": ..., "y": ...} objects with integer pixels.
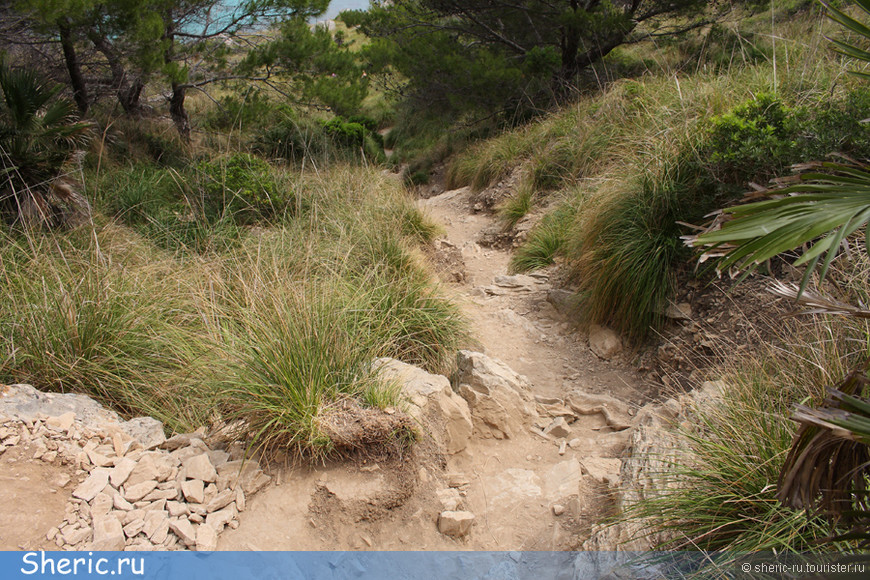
[
  {"x": 490, "y": 161},
  {"x": 202, "y": 208},
  {"x": 73, "y": 320},
  {"x": 306, "y": 307},
  {"x": 623, "y": 257},
  {"x": 297, "y": 355},
  {"x": 276, "y": 330},
  {"x": 516, "y": 207},
  {"x": 546, "y": 241},
  {"x": 647, "y": 154}
]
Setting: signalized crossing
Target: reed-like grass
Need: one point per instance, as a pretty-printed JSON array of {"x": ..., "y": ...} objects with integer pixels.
[
  {"x": 273, "y": 330},
  {"x": 720, "y": 493}
]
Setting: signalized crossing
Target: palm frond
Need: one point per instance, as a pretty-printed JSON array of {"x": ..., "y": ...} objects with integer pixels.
[
  {"x": 38, "y": 132},
  {"x": 819, "y": 209},
  {"x": 815, "y": 303},
  {"x": 828, "y": 465}
]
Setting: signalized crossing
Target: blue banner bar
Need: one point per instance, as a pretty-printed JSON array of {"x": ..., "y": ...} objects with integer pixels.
[{"x": 427, "y": 565}]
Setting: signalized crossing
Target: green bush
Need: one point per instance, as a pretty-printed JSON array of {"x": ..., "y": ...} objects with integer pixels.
[
  {"x": 763, "y": 137},
  {"x": 135, "y": 140},
  {"x": 419, "y": 177},
  {"x": 837, "y": 125},
  {"x": 755, "y": 140},
  {"x": 241, "y": 186},
  {"x": 367, "y": 122},
  {"x": 164, "y": 206},
  {"x": 352, "y": 135},
  {"x": 250, "y": 110},
  {"x": 345, "y": 133},
  {"x": 337, "y": 139},
  {"x": 293, "y": 140}
]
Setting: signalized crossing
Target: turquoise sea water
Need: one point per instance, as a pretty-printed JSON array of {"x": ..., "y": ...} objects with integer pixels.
[{"x": 337, "y": 6}]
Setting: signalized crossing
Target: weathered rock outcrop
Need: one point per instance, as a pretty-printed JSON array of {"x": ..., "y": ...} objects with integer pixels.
[
  {"x": 498, "y": 397},
  {"x": 431, "y": 399},
  {"x": 24, "y": 402},
  {"x": 654, "y": 448}
]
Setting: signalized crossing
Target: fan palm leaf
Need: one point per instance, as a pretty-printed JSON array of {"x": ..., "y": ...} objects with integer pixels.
[
  {"x": 819, "y": 209},
  {"x": 38, "y": 132},
  {"x": 828, "y": 465}
]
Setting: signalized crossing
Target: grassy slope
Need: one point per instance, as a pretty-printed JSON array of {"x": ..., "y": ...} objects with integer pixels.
[
  {"x": 633, "y": 161},
  {"x": 626, "y": 165},
  {"x": 272, "y": 325}
]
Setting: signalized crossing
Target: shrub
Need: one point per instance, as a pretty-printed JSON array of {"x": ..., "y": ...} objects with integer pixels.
[
  {"x": 135, "y": 140},
  {"x": 352, "y": 135},
  {"x": 837, "y": 125},
  {"x": 370, "y": 124},
  {"x": 250, "y": 110},
  {"x": 38, "y": 133},
  {"x": 164, "y": 206},
  {"x": 242, "y": 187},
  {"x": 293, "y": 140},
  {"x": 344, "y": 132},
  {"x": 763, "y": 137},
  {"x": 755, "y": 140},
  {"x": 337, "y": 139}
]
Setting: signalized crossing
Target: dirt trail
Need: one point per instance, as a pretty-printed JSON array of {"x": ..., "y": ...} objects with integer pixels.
[
  {"x": 529, "y": 492},
  {"x": 521, "y": 328},
  {"x": 514, "y": 487}
]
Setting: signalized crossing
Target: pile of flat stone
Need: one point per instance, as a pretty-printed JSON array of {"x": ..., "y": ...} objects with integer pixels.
[
  {"x": 141, "y": 492},
  {"x": 454, "y": 520}
]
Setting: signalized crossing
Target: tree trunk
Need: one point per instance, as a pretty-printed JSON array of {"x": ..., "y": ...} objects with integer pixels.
[
  {"x": 177, "y": 111},
  {"x": 129, "y": 96},
  {"x": 73, "y": 66},
  {"x": 570, "y": 46},
  {"x": 128, "y": 93},
  {"x": 176, "y": 101}
]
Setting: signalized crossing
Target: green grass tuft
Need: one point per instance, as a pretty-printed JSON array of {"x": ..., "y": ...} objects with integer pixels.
[
  {"x": 516, "y": 207},
  {"x": 720, "y": 494}
]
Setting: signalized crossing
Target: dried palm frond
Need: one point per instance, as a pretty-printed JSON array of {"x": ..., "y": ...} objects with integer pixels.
[
  {"x": 828, "y": 466},
  {"x": 815, "y": 302}
]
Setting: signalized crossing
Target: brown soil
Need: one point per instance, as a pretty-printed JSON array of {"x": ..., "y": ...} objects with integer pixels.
[{"x": 34, "y": 496}]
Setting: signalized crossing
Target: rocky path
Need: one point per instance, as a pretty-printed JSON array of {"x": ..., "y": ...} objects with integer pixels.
[
  {"x": 517, "y": 319},
  {"x": 539, "y": 486},
  {"x": 528, "y": 459},
  {"x": 520, "y": 320}
]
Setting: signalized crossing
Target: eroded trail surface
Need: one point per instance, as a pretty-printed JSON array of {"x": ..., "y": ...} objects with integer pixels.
[
  {"x": 541, "y": 488},
  {"x": 521, "y": 452}
]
